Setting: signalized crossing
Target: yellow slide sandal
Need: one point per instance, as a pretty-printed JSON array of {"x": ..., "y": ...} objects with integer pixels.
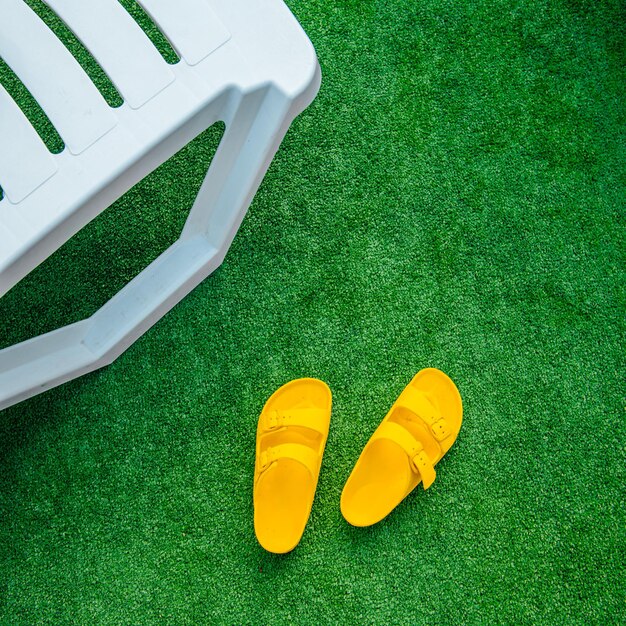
[
  {"x": 291, "y": 435},
  {"x": 419, "y": 429}
]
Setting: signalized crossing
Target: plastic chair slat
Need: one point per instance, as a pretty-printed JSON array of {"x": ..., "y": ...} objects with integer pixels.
[
  {"x": 56, "y": 80},
  {"x": 129, "y": 58},
  {"x": 25, "y": 162},
  {"x": 192, "y": 26}
]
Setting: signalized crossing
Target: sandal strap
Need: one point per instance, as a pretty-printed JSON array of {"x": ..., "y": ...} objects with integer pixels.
[
  {"x": 419, "y": 460},
  {"x": 295, "y": 451},
  {"x": 313, "y": 418},
  {"x": 418, "y": 403}
]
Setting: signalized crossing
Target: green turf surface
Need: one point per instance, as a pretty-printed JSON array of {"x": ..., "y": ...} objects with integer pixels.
[{"x": 453, "y": 198}]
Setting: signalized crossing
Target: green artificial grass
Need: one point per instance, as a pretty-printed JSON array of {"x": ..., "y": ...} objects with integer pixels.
[{"x": 453, "y": 198}]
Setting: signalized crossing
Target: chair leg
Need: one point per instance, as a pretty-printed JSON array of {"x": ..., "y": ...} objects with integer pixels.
[
  {"x": 254, "y": 131},
  {"x": 252, "y": 137}
]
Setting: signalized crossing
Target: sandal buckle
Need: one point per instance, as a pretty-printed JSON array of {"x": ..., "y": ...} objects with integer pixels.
[
  {"x": 416, "y": 461},
  {"x": 440, "y": 429},
  {"x": 418, "y": 449},
  {"x": 421, "y": 463}
]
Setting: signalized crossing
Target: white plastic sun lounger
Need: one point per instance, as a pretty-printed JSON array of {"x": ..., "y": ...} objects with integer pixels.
[{"x": 244, "y": 62}]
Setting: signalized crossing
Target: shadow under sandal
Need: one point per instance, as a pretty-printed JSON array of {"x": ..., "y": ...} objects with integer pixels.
[
  {"x": 291, "y": 436},
  {"x": 419, "y": 429}
]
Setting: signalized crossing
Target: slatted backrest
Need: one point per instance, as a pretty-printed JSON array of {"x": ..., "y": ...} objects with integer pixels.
[
  {"x": 192, "y": 26},
  {"x": 65, "y": 92},
  {"x": 25, "y": 162},
  {"x": 54, "y": 77},
  {"x": 128, "y": 57}
]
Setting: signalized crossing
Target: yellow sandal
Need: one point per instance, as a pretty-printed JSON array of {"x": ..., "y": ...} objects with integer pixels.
[
  {"x": 291, "y": 436},
  {"x": 419, "y": 429}
]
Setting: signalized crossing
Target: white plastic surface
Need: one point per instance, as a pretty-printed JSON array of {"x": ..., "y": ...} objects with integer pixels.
[
  {"x": 25, "y": 162},
  {"x": 192, "y": 27},
  {"x": 255, "y": 75},
  {"x": 53, "y": 76},
  {"x": 132, "y": 63}
]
